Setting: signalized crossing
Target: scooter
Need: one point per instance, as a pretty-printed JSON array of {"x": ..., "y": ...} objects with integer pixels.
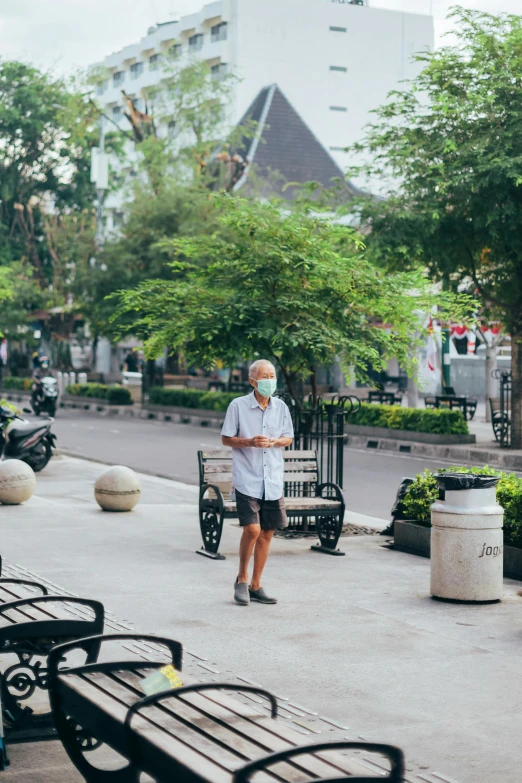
[
  {"x": 21, "y": 439},
  {"x": 45, "y": 396}
]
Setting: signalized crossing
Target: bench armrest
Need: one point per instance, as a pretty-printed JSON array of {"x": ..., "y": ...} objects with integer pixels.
[
  {"x": 6, "y": 581},
  {"x": 329, "y": 485},
  {"x": 94, "y": 642},
  {"x": 220, "y": 501},
  {"x": 393, "y": 754},
  {"x": 156, "y": 698}
]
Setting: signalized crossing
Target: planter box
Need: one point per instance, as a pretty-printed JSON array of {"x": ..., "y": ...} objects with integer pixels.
[
  {"x": 200, "y": 413},
  {"x": 418, "y": 437},
  {"x": 416, "y": 540},
  {"x": 412, "y": 538}
]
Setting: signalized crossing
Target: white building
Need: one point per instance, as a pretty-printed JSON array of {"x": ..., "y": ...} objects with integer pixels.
[{"x": 335, "y": 60}]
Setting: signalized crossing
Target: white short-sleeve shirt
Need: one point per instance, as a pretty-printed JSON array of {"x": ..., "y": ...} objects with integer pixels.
[{"x": 258, "y": 472}]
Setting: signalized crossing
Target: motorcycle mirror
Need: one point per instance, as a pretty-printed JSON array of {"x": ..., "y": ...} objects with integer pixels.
[{"x": 27, "y": 410}]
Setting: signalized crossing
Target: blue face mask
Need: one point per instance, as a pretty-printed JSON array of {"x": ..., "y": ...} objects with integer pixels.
[{"x": 267, "y": 387}]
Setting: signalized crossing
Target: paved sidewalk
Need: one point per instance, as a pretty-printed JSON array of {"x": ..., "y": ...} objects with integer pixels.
[{"x": 356, "y": 640}]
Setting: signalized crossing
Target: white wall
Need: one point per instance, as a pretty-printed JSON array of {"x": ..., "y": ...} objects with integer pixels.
[{"x": 291, "y": 44}]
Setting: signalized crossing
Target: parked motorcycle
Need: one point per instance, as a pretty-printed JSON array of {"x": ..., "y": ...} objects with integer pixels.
[
  {"x": 44, "y": 396},
  {"x": 25, "y": 440}
]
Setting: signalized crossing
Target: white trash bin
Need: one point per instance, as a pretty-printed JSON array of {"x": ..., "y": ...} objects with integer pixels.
[{"x": 467, "y": 539}]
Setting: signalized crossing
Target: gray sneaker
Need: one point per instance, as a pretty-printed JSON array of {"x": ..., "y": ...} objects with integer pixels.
[
  {"x": 261, "y": 596},
  {"x": 241, "y": 593}
]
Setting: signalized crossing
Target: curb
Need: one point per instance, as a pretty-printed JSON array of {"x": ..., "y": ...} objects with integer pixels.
[{"x": 459, "y": 454}]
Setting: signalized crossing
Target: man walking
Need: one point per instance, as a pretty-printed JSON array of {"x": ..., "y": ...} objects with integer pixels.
[{"x": 257, "y": 427}]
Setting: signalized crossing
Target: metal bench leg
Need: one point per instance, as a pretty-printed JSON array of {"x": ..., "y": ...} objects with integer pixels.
[
  {"x": 329, "y": 528},
  {"x": 77, "y": 742},
  {"x": 211, "y": 525}
]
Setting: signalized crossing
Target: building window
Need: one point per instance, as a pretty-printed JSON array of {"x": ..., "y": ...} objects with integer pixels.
[
  {"x": 118, "y": 78},
  {"x": 154, "y": 61},
  {"x": 338, "y": 108},
  {"x": 218, "y": 32},
  {"x": 338, "y": 29},
  {"x": 338, "y": 68},
  {"x": 116, "y": 112},
  {"x": 100, "y": 89},
  {"x": 219, "y": 71},
  {"x": 136, "y": 70},
  {"x": 172, "y": 128},
  {"x": 195, "y": 42},
  {"x": 175, "y": 50}
]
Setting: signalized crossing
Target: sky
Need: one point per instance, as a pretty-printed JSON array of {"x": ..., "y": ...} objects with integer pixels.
[{"x": 62, "y": 35}]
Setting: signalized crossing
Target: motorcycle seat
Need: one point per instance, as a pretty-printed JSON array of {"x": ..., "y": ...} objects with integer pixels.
[{"x": 22, "y": 430}]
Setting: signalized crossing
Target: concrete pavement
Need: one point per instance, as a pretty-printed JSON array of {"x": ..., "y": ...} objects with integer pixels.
[{"x": 356, "y": 640}]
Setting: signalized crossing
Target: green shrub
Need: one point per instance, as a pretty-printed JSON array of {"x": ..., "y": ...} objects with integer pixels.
[
  {"x": 96, "y": 390},
  {"x": 115, "y": 395},
  {"x": 424, "y": 491},
  {"x": 441, "y": 422},
  {"x": 20, "y": 384},
  {"x": 119, "y": 395},
  {"x": 192, "y": 398}
]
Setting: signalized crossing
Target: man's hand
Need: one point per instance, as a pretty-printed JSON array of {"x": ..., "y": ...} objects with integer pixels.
[{"x": 260, "y": 442}]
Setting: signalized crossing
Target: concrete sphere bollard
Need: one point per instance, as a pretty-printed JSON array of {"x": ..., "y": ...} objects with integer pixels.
[
  {"x": 117, "y": 489},
  {"x": 17, "y": 482}
]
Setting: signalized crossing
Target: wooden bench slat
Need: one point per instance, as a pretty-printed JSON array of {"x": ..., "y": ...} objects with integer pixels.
[
  {"x": 260, "y": 734},
  {"x": 226, "y": 478},
  {"x": 287, "y": 454},
  {"x": 297, "y": 504},
  {"x": 282, "y": 731},
  {"x": 105, "y": 713},
  {"x": 304, "y": 465},
  {"x": 171, "y": 722},
  {"x": 260, "y": 729},
  {"x": 219, "y": 478},
  {"x": 305, "y": 477},
  {"x": 217, "y": 467}
]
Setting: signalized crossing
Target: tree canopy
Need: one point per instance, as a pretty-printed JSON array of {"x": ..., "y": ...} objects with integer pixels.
[
  {"x": 289, "y": 285},
  {"x": 449, "y": 144}
]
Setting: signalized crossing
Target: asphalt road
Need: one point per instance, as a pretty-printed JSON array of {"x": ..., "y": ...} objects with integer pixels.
[{"x": 169, "y": 450}]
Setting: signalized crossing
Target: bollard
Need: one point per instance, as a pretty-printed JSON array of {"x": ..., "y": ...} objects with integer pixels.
[
  {"x": 467, "y": 539},
  {"x": 72, "y": 378},
  {"x": 82, "y": 378}
]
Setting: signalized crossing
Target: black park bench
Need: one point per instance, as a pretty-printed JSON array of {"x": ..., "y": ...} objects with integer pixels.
[
  {"x": 196, "y": 733},
  {"x": 305, "y": 499},
  {"x": 32, "y": 622}
]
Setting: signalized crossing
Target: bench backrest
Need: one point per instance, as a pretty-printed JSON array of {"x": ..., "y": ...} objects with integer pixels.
[{"x": 300, "y": 471}]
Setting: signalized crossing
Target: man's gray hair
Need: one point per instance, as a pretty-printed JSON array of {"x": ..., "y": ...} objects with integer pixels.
[{"x": 252, "y": 373}]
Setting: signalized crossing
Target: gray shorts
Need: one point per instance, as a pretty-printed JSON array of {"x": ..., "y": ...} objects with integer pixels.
[{"x": 270, "y": 514}]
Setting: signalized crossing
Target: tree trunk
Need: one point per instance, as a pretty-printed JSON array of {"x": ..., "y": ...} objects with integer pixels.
[
  {"x": 516, "y": 388},
  {"x": 491, "y": 383},
  {"x": 313, "y": 382}
]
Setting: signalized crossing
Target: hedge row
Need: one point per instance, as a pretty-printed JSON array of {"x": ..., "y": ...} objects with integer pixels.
[
  {"x": 115, "y": 395},
  {"x": 441, "y": 422},
  {"x": 424, "y": 491},
  {"x": 19, "y": 384},
  {"x": 192, "y": 398}
]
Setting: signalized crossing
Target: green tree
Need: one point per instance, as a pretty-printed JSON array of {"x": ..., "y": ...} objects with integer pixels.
[
  {"x": 450, "y": 143},
  {"x": 170, "y": 195},
  {"x": 292, "y": 286}
]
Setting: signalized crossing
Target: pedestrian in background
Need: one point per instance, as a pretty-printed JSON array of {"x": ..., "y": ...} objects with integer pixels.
[{"x": 257, "y": 427}]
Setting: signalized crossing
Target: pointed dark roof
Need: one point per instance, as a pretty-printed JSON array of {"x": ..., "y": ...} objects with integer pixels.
[{"x": 284, "y": 143}]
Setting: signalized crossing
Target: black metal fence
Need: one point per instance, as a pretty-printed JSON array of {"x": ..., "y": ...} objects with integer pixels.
[{"x": 321, "y": 429}]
